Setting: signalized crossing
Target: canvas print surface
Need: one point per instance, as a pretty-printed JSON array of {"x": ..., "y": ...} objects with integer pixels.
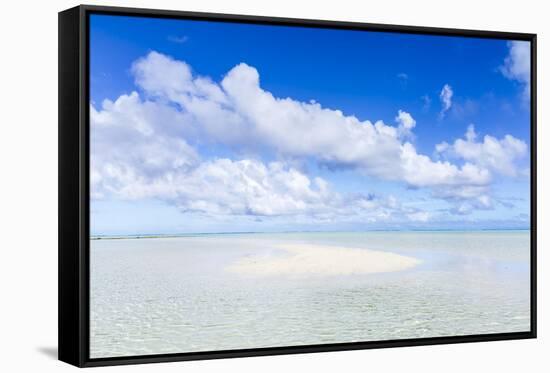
[{"x": 264, "y": 186}]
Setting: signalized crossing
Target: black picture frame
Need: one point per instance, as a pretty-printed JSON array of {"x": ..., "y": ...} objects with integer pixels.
[{"x": 74, "y": 190}]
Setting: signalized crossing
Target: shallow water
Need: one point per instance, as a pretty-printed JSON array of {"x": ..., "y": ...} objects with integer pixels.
[{"x": 170, "y": 295}]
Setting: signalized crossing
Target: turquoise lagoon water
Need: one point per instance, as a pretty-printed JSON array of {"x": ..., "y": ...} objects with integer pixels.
[{"x": 170, "y": 295}]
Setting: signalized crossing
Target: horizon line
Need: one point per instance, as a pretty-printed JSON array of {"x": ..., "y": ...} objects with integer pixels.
[{"x": 174, "y": 235}]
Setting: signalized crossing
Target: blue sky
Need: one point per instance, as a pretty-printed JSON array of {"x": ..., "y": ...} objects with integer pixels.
[{"x": 181, "y": 87}]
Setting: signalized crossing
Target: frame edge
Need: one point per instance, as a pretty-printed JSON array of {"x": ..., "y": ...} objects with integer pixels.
[
  {"x": 533, "y": 170},
  {"x": 70, "y": 306},
  {"x": 307, "y": 22}
]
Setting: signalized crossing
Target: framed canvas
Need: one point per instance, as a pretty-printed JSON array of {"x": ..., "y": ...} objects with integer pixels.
[{"x": 235, "y": 186}]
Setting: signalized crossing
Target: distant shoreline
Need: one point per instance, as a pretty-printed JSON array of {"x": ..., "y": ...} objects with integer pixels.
[{"x": 202, "y": 234}]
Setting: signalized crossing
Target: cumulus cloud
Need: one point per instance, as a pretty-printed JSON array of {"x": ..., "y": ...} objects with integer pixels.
[
  {"x": 405, "y": 121},
  {"x": 144, "y": 145},
  {"x": 238, "y": 111},
  {"x": 498, "y": 155},
  {"x": 137, "y": 153},
  {"x": 225, "y": 187},
  {"x": 303, "y": 129},
  {"x": 495, "y": 156},
  {"x": 134, "y": 139},
  {"x": 245, "y": 187},
  {"x": 517, "y": 65},
  {"x": 446, "y": 98},
  {"x": 161, "y": 76}
]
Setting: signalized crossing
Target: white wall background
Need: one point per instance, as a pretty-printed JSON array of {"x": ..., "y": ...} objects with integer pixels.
[{"x": 28, "y": 184}]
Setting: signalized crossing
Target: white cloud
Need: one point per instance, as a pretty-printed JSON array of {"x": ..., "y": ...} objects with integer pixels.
[
  {"x": 245, "y": 187},
  {"x": 441, "y": 147},
  {"x": 135, "y": 139},
  {"x": 160, "y": 75},
  {"x": 249, "y": 187},
  {"x": 143, "y": 146},
  {"x": 406, "y": 122},
  {"x": 139, "y": 151},
  {"x": 302, "y": 129},
  {"x": 471, "y": 134},
  {"x": 500, "y": 156},
  {"x": 493, "y": 156},
  {"x": 136, "y": 155},
  {"x": 517, "y": 65},
  {"x": 419, "y": 170},
  {"x": 289, "y": 127},
  {"x": 446, "y": 98}
]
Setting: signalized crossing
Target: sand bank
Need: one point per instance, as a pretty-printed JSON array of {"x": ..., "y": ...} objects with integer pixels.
[{"x": 306, "y": 259}]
